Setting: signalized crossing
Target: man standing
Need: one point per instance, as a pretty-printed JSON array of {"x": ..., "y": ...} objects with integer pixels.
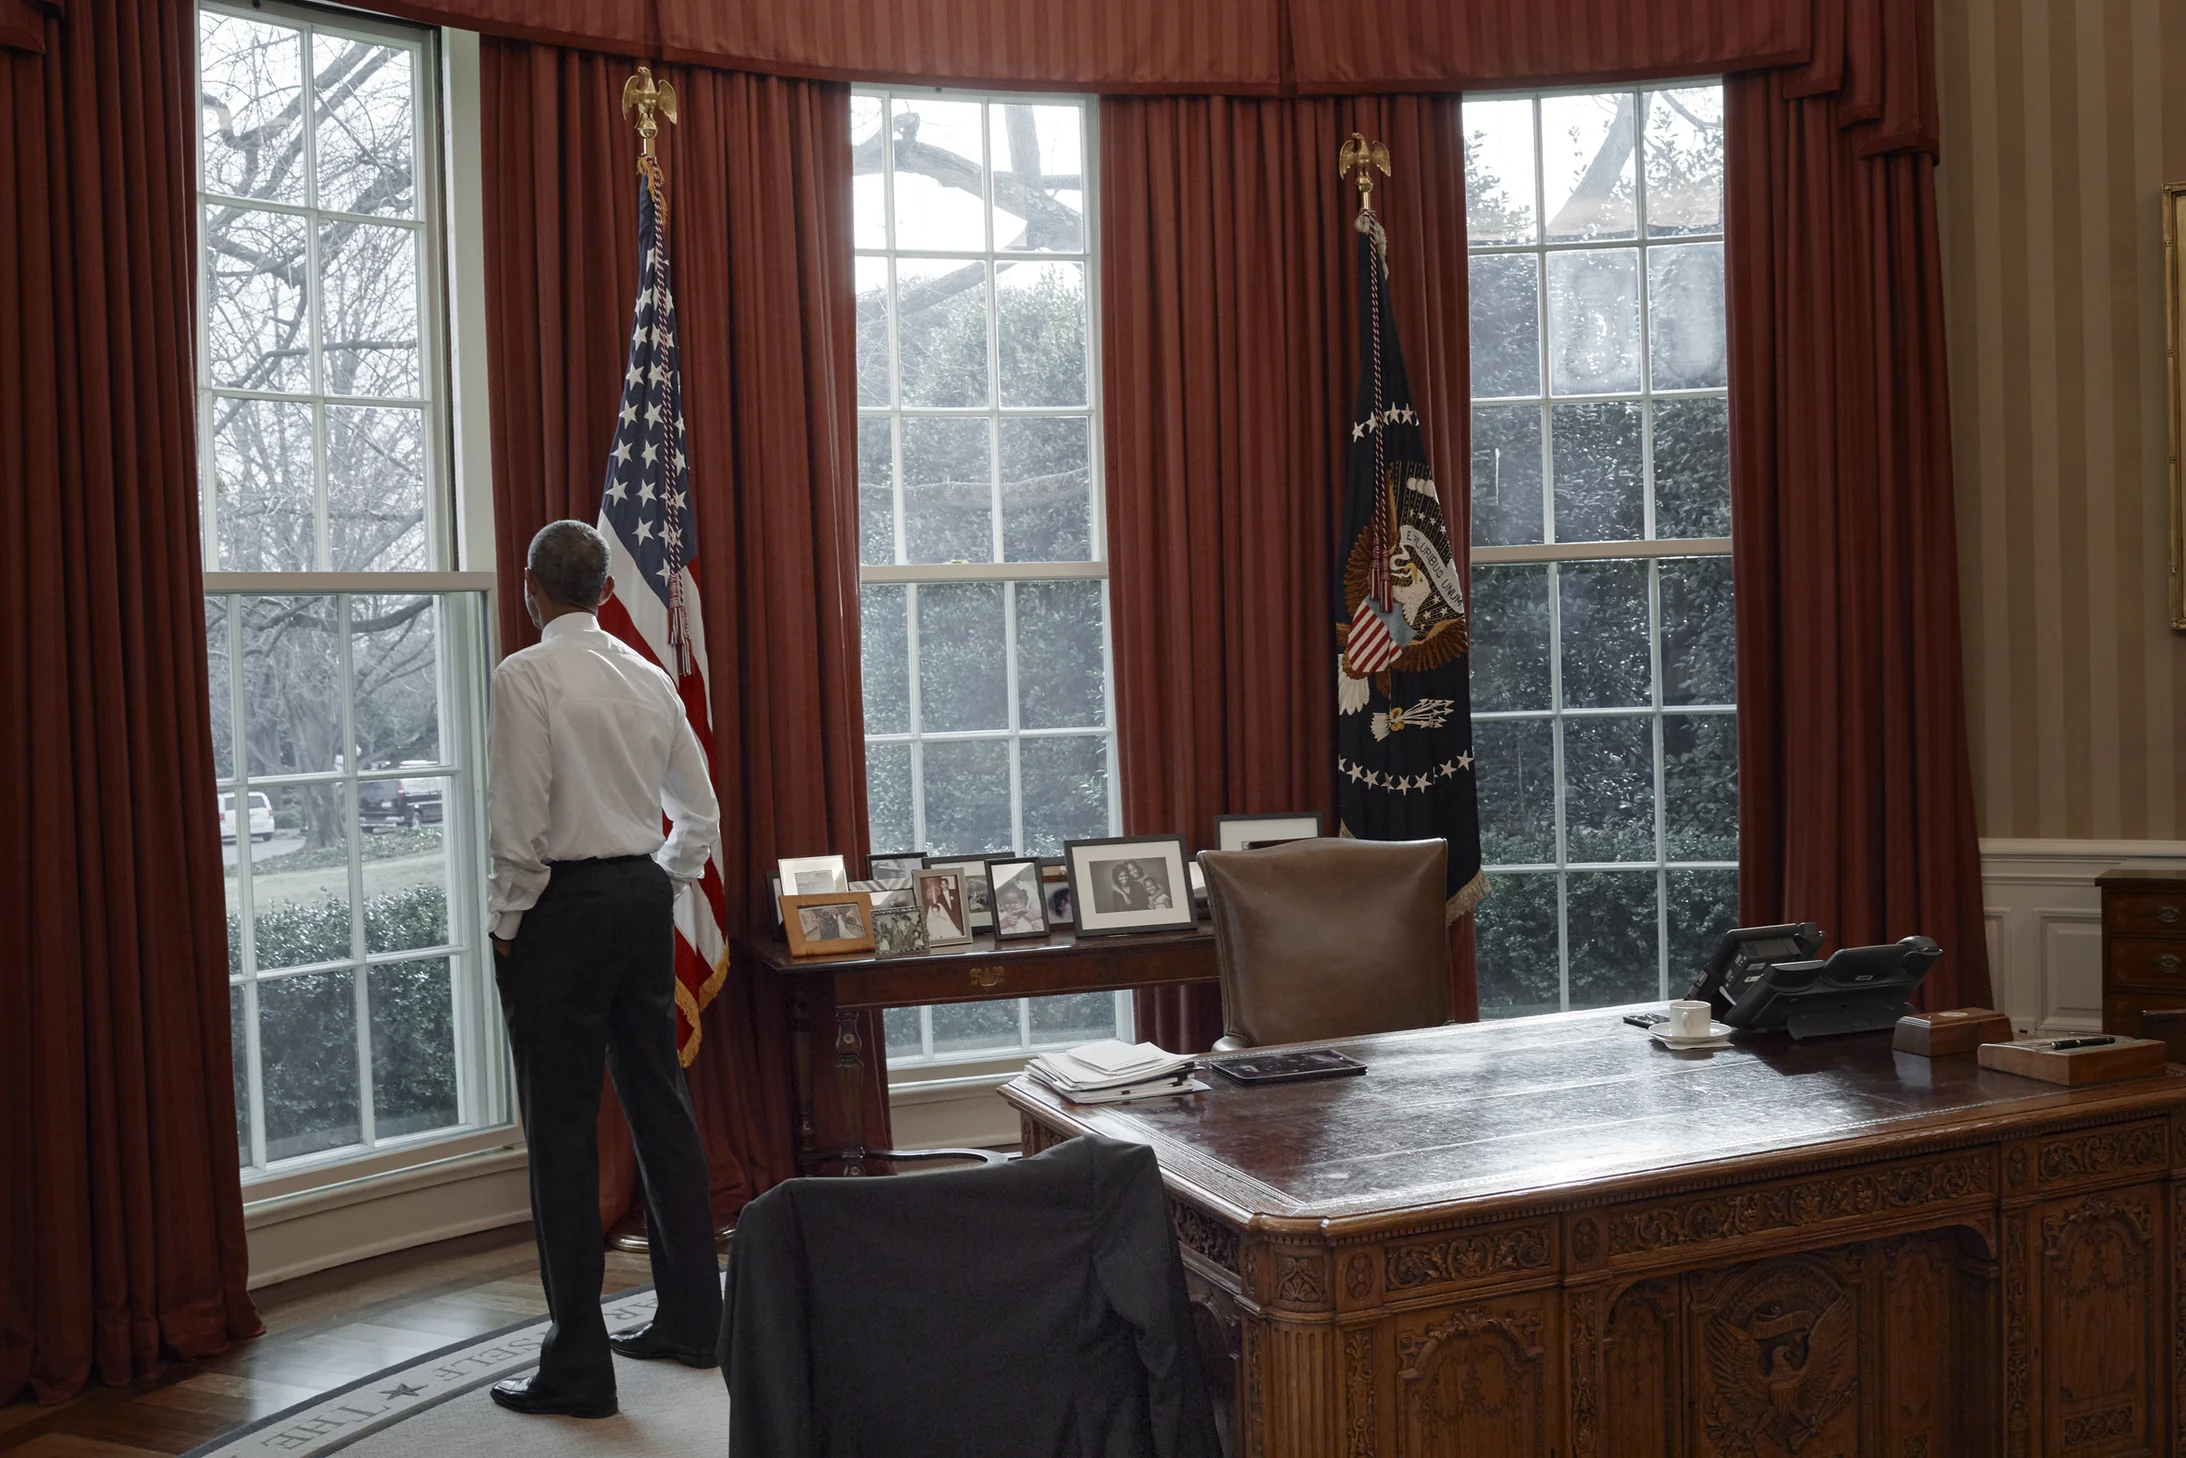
[{"x": 590, "y": 747}]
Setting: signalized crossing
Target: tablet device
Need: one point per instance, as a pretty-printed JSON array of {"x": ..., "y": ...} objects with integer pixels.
[{"x": 1291, "y": 1067}]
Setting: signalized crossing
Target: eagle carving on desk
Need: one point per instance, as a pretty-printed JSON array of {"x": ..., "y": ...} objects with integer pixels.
[{"x": 1778, "y": 1366}]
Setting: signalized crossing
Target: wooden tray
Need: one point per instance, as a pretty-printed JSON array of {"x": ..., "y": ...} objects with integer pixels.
[
  {"x": 2126, "y": 1058},
  {"x": 1942, "y": 1034}
]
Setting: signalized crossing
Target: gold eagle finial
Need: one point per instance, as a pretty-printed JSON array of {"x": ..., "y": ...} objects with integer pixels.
[
  {"x": 1365, "y": 156},
  {"x": 648, "y": 98}
]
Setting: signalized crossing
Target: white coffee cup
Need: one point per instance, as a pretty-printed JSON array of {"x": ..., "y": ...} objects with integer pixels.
[{"x": 1689, "y": 1019}]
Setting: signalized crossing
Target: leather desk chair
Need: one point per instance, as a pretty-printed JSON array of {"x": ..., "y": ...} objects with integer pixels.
[{"x": 1322, "y": 939}]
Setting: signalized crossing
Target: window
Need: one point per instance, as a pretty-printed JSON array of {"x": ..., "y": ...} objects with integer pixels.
[
  {"x": 347, "y": 666},
  {"x": 985, "y": 592},
  {"x": 1603, "y": 671}
]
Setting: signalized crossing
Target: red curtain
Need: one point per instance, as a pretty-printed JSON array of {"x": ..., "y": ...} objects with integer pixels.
[
  {"x": 758, "y": 186},
  {"x": 1855, "y": 784},
  {"x": 1229, "y": 342},
  {"x": 121, "y": 1217}
]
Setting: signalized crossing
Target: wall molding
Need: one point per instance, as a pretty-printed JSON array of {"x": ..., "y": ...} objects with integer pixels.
[
  {"x": 312, "y": 1230},
  {"x": 2043, "y": 915}
]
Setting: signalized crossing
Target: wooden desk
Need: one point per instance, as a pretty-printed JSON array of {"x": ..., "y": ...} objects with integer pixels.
[
  {"x": 980, "y": 971},
  {"x": 1553, "y": 1237}
]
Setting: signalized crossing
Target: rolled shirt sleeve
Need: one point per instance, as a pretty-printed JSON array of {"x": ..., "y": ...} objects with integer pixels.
[{"x": 517, "y": 806}]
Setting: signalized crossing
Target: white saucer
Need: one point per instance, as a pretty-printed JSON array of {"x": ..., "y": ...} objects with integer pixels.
[{"x": 1718, "y": 1037}]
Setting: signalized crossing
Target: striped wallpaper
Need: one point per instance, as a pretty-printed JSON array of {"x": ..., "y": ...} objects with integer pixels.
[{"x": 2056, "y": 144}]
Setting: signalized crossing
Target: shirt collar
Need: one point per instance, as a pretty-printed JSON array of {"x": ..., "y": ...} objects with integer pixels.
[{"x": 569, "y": 623}]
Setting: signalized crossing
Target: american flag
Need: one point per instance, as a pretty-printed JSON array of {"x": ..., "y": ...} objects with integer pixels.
[{"x": 645, "y": 514}]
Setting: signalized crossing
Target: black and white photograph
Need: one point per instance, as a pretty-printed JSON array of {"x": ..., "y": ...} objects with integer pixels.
[
  {"x": 1250, "y": 832},
  {"x": 1129, "y": 883},
  {"x": 813, "y": 875},
  {"x": 1019, "y": 908},
  {"x": 829, "y": 923},
  {"x": 894, "y": 865},
  {"x": 976, "y": 891},
  {"x": 1059, "y": 906},
  {"x": 941, "y": 906},
  {"x": 898, "y": 931}
]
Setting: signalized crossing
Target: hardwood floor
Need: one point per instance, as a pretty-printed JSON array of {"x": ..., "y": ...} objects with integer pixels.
[{"x": 322, "y": 1331}]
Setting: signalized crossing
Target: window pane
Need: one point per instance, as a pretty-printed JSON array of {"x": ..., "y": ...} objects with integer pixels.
[
  {"x": 365, "y": 98},
  {"x": 1600, "y": 482},
  {"x": 1047, "y": 500},
  {"x": 252, "y": 79},
  {"x": 292, "y": 690},
  {"x": 1040, "y": 331},
  {"x": 960, "y": 656},
  {"x": 967, "y": 796},
  {"x": 1615, "y": 941},
  {"x": 369, "y": 330},
  {"x": 375, "y": 488},
  {"x": 940, "y": 192},
  {"x": 405, "y": 862},
  {"x": 967, "y": 1026},
  {"x": 876, "y": 490},
  {"x": 885, "y": 648},
  {"x": 1061, "y": 680},
  {"x": 1510, "y": 638},
  {"x": 873, "y": 360},
  {"x": 1506, "y": 475},
  {"x": 1603, "y": 611},
  {"x": 1593, "y": 321},
  {"x": 394, "y": 655},
  {"x": 1506, "y": 325},
  {"x": 1684, "y": 160},
  {"x": 1516, "y": 931},
  {"x": 307, "y": 1037},
  {"x": 300, "y": 879},
  {"x": 255, "y": 332},
  {"x": 948, "y": 489},
  {"x": 266, "y": 484},
  {"x": 1609, "y": 789},
  {"x": 1699, "y": 637},
  {"x": 1693, "y": 467},
  {"x": 1039, "y": 176},
  {"x": 868, "y": 189},
  {"x": 413, "y": 1048},
  {"x": 1703, "y": 906},
  {"x": 1515, "y": 763},
  {"x": 941, "y": 327},
  {"x": 1499, "y": 171},
  {"x": 1686, "y": 326},
  {"x": 902, "y": 1034},
  {"x": 218, "y": 695},
  {"x": 1066, "y": 791},
  {"x": 1586, "y": 165},
  {"x": 1700, "y": 786},
  {"x": 239, "y": 1054},
  {"x": 888, "y": 797},
  {"x": 1078, "y": 1017}
]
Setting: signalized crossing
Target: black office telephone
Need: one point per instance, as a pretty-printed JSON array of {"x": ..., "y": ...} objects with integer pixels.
[{"x": 1745, "y": 955}]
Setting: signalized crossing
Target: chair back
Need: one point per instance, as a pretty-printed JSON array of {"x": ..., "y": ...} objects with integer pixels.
[{"x": 1321, "y": 939}]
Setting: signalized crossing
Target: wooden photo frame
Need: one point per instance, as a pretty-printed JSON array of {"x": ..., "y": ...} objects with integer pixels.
[
  {"x": 944, "y": 905},
  {"x": 1020, "y": 908},
  {"x": 828, "y": 923},
  {"x": 1130, "y": 883},
  {"x": 1243, "y": 832}
]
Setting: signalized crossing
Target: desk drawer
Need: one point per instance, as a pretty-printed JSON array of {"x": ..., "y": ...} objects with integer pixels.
[
  {"x": 2138, "y": 962},
  {"x": 2154, "y": 913}
]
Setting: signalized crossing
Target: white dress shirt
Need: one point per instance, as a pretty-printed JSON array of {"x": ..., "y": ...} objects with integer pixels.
[{"x": 590, "y": 746}]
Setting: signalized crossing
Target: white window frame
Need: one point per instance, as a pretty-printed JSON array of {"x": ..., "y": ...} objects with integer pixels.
[
  {"x": 1649, "y": 548},
  {"x": 912, "y": 575},
  {"x": 463, "y": 645}
]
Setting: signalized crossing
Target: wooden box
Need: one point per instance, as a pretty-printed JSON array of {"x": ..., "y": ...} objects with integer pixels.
[
  {"x": 2126, "y": 1058},
  {"x": 1942, "y": 1034}
]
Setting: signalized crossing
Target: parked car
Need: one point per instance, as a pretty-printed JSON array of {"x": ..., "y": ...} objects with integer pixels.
[
  {"x": 411, "y": 801},
  {"x": 261, "y": 817}
]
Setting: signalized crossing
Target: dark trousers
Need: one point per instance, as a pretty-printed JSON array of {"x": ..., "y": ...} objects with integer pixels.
[{"x": 590, "y": 983}]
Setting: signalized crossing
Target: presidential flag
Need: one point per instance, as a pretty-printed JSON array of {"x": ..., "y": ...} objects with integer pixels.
[
  {"x": 1403, "y": 697},
  {"x": 645, "y": 514}
]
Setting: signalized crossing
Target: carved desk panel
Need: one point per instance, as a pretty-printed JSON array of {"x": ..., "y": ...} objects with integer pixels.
[{"x": 1552, "y": 1237}]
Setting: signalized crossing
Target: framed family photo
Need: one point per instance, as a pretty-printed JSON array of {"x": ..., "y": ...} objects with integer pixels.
[
  {"x": 811, "y": 875},
  {"x": 1129, "y": 884},
  {"x": 942, "y": 906},
  {"x": 1055, "y": 891},
  {"x": 898, "y": 930},
  {"x": 1246, "y": 832},
  {"x": 828, "y": 923},
  {"x": 977, "y": 895},
  {"x": 1020, "y": 908},
  {"x": 894, "y": 865}
]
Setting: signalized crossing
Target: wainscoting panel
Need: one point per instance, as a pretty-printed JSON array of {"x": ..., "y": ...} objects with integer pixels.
[{"x": 2044, "y": 921}]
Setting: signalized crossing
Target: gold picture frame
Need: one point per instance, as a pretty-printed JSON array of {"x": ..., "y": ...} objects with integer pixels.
[
  {"x": 2174, "y": 341},
  {"x": 828, "y": 923}
]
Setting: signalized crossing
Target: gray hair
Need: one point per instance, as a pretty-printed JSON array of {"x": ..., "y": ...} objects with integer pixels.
[{"x": 570, "y": 560}]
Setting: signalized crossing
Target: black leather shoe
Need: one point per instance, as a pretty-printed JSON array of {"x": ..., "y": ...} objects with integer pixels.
[
  {"x": 640, "y": 1342},
  {"x": 522, "y": 1394}
]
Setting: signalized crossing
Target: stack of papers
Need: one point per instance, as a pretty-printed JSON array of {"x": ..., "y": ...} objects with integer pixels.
[{"x": 1111, "y": 1071}]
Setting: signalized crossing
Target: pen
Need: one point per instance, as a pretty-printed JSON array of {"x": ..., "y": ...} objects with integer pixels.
[{"x": 2059, "y": 1045}]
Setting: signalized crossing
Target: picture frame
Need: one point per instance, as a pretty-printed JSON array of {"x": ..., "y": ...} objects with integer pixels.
[
  {"x": 893, "y": 865},
  {"x": 1020, "y": 905},
  {"x": 976, "y": 890},
  {"x": 899, "y": 931},
  {"x": 1247, "y": 832},
  {"x": 1055, "y": 888},
  {"x": 812, "y": 875},
  {"x": 1129, "y": 883},
  {"x": 828, "y": 923},
  {"x": 943, "y": 906}
]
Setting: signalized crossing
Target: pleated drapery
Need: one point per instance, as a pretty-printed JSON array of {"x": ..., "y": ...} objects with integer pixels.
[
  {"x": 1229, "y": 345},
  {"x": 121, "y": 1216},
  {"x": 758, "y": 187}
]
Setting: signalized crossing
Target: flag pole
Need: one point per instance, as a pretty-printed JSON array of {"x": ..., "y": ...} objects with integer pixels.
[{"x": 1365, "y": 156}]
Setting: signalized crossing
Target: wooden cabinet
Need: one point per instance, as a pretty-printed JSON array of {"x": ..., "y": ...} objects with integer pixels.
[{"x": 2144, "y": 951}]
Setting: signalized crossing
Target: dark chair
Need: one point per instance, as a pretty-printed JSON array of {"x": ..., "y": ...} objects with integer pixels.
[
  {"x": 1034, "y": 1309},
  {"x": 1319, "y": 939}
]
